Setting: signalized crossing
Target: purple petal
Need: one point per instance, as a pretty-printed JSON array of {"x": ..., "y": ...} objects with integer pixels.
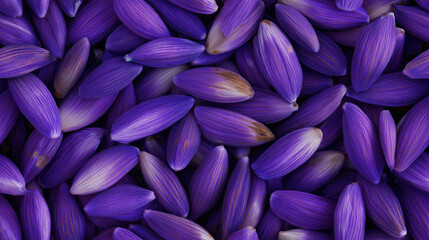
[
  {"x": 376, "y": 234},
  {"x": 71, "y": 67},
  {"x": 10, "y": 229},
  {"x": 331, "y": 128},
  {"x": 235, "y": 24},
  {"x": 122, "y": 40},
  {"x": 35, "y": 216},
  {"x": 314, "y": 110},
  {"x": 423, "y": 3},
  {"x": 235, "y": 199},
  {"x": 144, "y": 232},
  {"x": 39, "y": 7},
  {"x": 247, "y": 233},
  {"x": 416, "y": 173},
  {"x": 17, "y": 30},
  {"x": 374, "y": 48},
  {"x": 303, "y": 234},
  {"x": 349, "y": 218},
  {"x": 47, "y": 74},
  {"x": 414, "y": 20},
  {"x": 395, "y": 63},
  {"x": 208, "y": 182},
  {"x": 108, "y": 78},
  {"x": 256, "y": 203},
  {"x": 383, "y": 207},
  {"x": 165, "y": 52},
  {"x": 203, "y": 150},
  {"x": 126, "y": 99},
  {"x": 232, "y": 129},
  {"x": 9, "y": 114},
  {"x": 144, "y": 119},
  {"x": 94, "y": 21},
  {"x": 239, "y": 152},
  {"x": 208, "y": 59},
  {"x": 11, "y": 8},
  {"x": 29, "y": 57},
  {"x": 303, "y": 210},
  {"x": 140, "y": 18},
  {"x": 269, "y": 226},
  {"x": 333, "y": 189},
  {"x": 325, "y": 14},
  {"x": 348, "y": 5},
  {"x": 11, "y": 180},
  {"x": 68, "y": 221},
  {"x": 361, "y": 141},
  {"x": 156, "y": 145},
  {"x": 70, "y": 7},
  {"x": 18, "y": 136},
  {"x": 107, "y": 234},
  {"x": 37, "y": 104},
  {"x": 346, "y": 37},
  {"x": 214, "y": 84},
  {"x": 173, "y": 227},
  {"x": 124, "y": 234},
  {"x": 277, "y": 61},
  {"x": 413, "y": 135},
  {"x": 316, "y": 172},
  {"x": 197, "y": 6},
  {"x": 104, "y": 169},
  {"x": 387, "y": 133},
  {"x": 418, "y": 67},
  {"x": 167, "y": 187},
  {"x": 314, "y": 82},
  {"x": 329, "y": 60},
  {"x": 247, "y": 64},
  {"x": 377, "y": 8}
]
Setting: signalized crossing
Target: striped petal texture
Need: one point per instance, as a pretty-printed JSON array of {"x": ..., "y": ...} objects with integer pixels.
[
  {"x": 12, "y": 8},
  {"x": 70, "y": 7},
  {"x": 9, "y": 114},
  {"x": 387, "y": 134},
  {"x": 418, "y": 67},
  {"x": 11, "y": 180},
  {"x": 122, "y": 40},
  {"x": 247, "y": 64},
  {"x": 35, "y": 217},
  {"x": 17, "y": 31},
  {"x": 124, "y": 234},
  {"x": 303, "y": 234},
  {"x": 197, "y": 6},
  {"x": 255, "y": 203},
  {"x": 415, "y": 174},
  {"x": 10, "y": 228},
  {"x": 39, "y": 7},
  {"x": 414, "y": 20}
]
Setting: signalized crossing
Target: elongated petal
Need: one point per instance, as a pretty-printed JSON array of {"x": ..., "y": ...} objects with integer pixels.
[
  {"x": 374, "y": 48},
  {"x": 416, "y": 173},
  {"x": 396, "y": 61},
  {"x": 71, "y": 67},
  {"x": 11, "y": 8},
  {"x": 122, "y": 40},
  {"x": 314, "y": 82},
  {"x": 269, "y": 226},
  {"x": 235, "y": 24},
  {"x": 68, "y": 221},
  {"x": 316, "y": 172},
  {"x": 143, "y": 120},
  {"x": 18, "y": 60},
  {"x": 197, "y": 6},
  {"x": 331, "y": 128},
  {"x": 35, "y": 216},
  {"x": 17, "y": 31},
  {"x": 232, "y": 128},
  {"x": 39, "y": 7},
  {"x": 139, "y": 17},
  {"x": 393, "y": 90},
  {"x": 333, "y": 189},
  {"x": 325, "y": 14},
  {"x": 413, "y": 135},
  {"x": 167, "y": 187},
  {"x": 256, "y": 202},
  {"x": 165, "y": 52},
  {"x": 349, "y": 218},
  {"x": 9, "y": 114},
  {"x": 126, "y": 99},
  {"x": 247, "y": 233},
  {"x": 414, "y": 20},
  {"x": 348, "y": 5},
  {"x": 37, "y": 153},
  {"x": 387, "y": 133},
  {"x": 236, "y": 197},
  {"x": 104, "y": 169},
  {"x": 124, "y": 234},
  {"x": 297, "y": 27},
  {"x": 11, "y": 180},
  {"x": 314, "y": 110},
  {"x": 18, "y": 136},
  {"x": 329, "y": 60},
  {"x": 376, "y": 8},
  {"x": 207, "y": 59},
  {"x": 418, "y": 67},
  {"x": 144, "y": 232},
  {"x": 214, "y": 84},
  {"x": 10, "y": 228},
  {"x": 304, "y": 210},
  {"x": 303, "y": 234},
  {"x": 383, "y": 207},
  {"x": 110, "y": 77},
  {"x": 361, "y": 141},
  {"x": 248, "y": 67},
  {"x": 277, "y": 60},
  {"x": 173, "y": 227},
  {"x": 37, "y": 104},
  {"x": 70, "y": 7},
  {"x": 346, "y": 37},
  {"x": 94, "y": 21}
]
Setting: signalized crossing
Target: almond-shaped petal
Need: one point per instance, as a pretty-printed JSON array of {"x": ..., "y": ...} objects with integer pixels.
[
  {"x": 418, "y": 67},
  {"x": 122, "y": 40},
  {"x": 348, "y": 5},
  {"x": 214, "y": 84},
  {"x": 248, "y": 66},
  {"x": 9, "y": 114},
  {"x": 331, "y": 128},
  {"x": 346, "y": 37},
  {"x": 71, "y": 67},
  {"x": 37, "y": 104},
  {"x": 126, "y": 99},
  {"x": 39, "y": 7},
  {"x": 393, "y": 90},
  {"x": 374, "y": 48},
  {"x": 167, "y": 187},
  {"x": 288, "y": 153},
  {"x": 256, "y": 203},
  {"x": 208, "y": 59},
  {"x": 414, "y": 20},
  {"x": 326, "y": 15},
  {"x": 124, "y": 234},
  {"x": 94, "y": 21},
  {"x": 109, "y": 77},
  {"x": 165, "y": 52},
  {"x": 303, "y": 234},
  {"x": 197, "y": 6},
  {"x": 10, "y": 228},
  {"x": 235, "y": 24},
  {"x": 104, "y": 169},
  {"x": 269, "y": 226},
  {"x": 316, "y": 172},
  {"x": 297, "y": 27},
  {"x": 329, "y": 60},
  {"x": 18, "y": 60},
  {"x": 35, "y": 216},
  {"x": 11, "y": 180},
  {"x": 396, "y": 61},
  {"x": 314, "y": 110},
  {"x": 247, "y": 233},
  {"x": 173, "y": 227},
  {"x": 52, "y": 29},
  {"x": 37, "y": 153},
  {"x": 416, "y": 173},
  {"x": 17, "y": 30},
  {"x": 208, "y": 182},
  {"x": 144, "y": 119},
  {"x": 235, "y": 198},
  {"x": 362, "y": 144},
  {"x": 387, "y": 134},
  {"x": 413, "y": 135},
  {"x": 349, "y": 217},
  {"x": 277, "y": 60},
  {"x": 122, "y": 202},
  {"x": 314, "y": 82},
  {"x": 68, "y": 221},
  {"x": 140, "y": 18},
  {"x": 333, "y": 189},
  {"x": 376, "y": 234},
  {"x": 303, "y": 210},
  {"x": 70, "y": 7},
  {"x": 144, "y": 232},
  {"x": 383, "y": 207},
  {"x": 231, "y": 128},
  {"x": 11, "y": 8}
]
